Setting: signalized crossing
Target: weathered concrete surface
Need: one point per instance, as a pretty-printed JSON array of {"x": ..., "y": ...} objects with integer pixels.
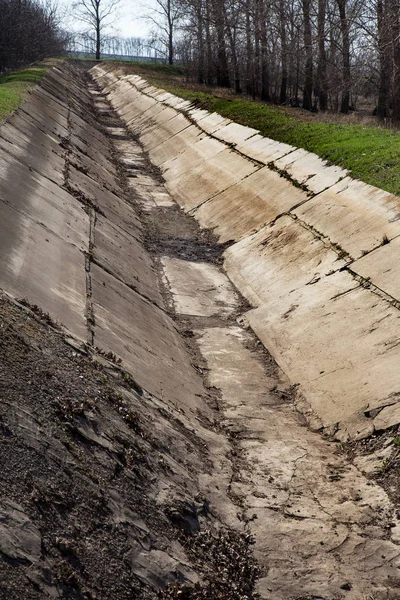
[
  {"x": 144, "y": 337},
  {"x": 199, "y": 289},
  {"x": 321, "y": 529},
  {"x": 308, "y": 169},
  {"x": 135, "y": 270},
  {"x": 271, "y": 265},
  {"x": 381, "y": 267},
  {"x": 233, "y": 133},
  {"x": 63, "y": 247},
  {"x": 354, "y": 215},
  {"x": 194, "y": 155},
  {"x": 293, "y": 278},
  {"x": 341, "y": 382},
  {"x": 266, "y": 196},
  {"x": 214, "y": 175},
  {"x": 263, "y": 149},
  {"x": 345, "y": 220},
  {"x": 313, "y": 517}
]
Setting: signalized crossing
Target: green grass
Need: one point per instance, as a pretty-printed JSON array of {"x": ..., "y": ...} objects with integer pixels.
[
  {"x": 370, "y": 153},
  {"x": 15, "y": 86}
]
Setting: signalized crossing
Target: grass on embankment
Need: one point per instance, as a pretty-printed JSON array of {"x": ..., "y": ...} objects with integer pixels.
[
  {"x": 370, "y": 153},
  {"x": 15, "y": 86}
]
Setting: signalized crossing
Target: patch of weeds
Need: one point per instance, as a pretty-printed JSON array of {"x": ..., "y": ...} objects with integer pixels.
[
  {"x": 131, "y": 417},
  {"x": 131, "y": 383},
  {"x": 43, "y": 316},
  {"x": 385, "y": 240},
  {"x": 109, "y": 356},
  {"x": 72, "y": 407},
  {"x": 231, "y": 568}
]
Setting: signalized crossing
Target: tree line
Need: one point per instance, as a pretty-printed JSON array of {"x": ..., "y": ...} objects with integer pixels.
[
  {"x": 318, "y": 54},
  {"x": 29, "y": 32}
]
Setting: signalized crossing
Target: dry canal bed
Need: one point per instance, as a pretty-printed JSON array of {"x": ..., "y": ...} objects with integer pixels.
[{"x": 152, "y": 447}]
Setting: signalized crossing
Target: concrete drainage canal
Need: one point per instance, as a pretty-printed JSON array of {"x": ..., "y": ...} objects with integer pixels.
[{"x": 152, "y": 446}]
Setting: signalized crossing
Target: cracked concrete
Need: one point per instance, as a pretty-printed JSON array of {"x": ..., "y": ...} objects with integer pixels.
[
  {"x": 321, "y": 529},
  {"x": 318, "y": 523},
  {"x": 208, "y": 172}
]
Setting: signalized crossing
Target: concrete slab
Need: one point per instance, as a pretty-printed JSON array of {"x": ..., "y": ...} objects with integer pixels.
[
  {"x": 309, "y": 169},
  {"x": 263, "y": 149},
  {"x": 34, "y": 150},
  {"x": 210, "y": 178},
  {"x": 212, "y": 122},
  {"x": 388, "y": 417},
  {"x": 124, "y": 257},
  {"x": 122, "y": 95},
  {"x": 249, "y": 205},
  {"x": 199, "y": 289},
  {"x": 140, "y": 105},
  {"x": 287, "y": 483},
  {"x": 324, "y": 336},
  {"x": 146, "y": 340},
  {"x": 381, "y": 266},
  {"x": 168, "y": 150},
  {"x": 45, "y": 126},
  {"x": 177, "y": 103},
  {"x": 47, "y": 120},
  {"x": 354, "y": 215},
  {"x": 163, "y": 131},
  {"x": 197, "y": 114},
  {"x": 162, "y": 199},
  {"x": 44, "y": 269},
  {"x": 153, "y": 118},
  {"x": 196, "y": 151},
  {"x": 233, "y": 133},
  {"x": 43, "y": 201},
  {"x": 269, "y": 266}
]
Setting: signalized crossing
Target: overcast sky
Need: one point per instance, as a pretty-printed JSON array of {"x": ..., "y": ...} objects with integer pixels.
[{"x": 128, "y": 23}]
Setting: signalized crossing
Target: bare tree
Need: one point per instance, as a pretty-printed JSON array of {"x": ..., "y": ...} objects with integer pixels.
[
  {"x": 166, "y": 16},
  {"x": 344, "y": 26},
  {"x": 322, "y": 67},
  {"x": 97, "y": 15},
  {"x": 29, "y": 31},
  {"x": 333, "y": 51},
  {"x": 308, "y": 76}
]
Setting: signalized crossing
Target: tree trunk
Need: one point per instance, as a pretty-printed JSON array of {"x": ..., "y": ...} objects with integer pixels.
[
  {"x": 308, "y": 75},
  {"x": 383, "y": 19},
  {"x": 98, "y": 29},
  {"x": 249, "y": 51},
  {"x": 222, "y": 60},
  {"x": 170, "y": 21},
  {"x": 200, "y": 44},
  {"x": 346, "y": 74},
  {"x": 395, "y": 18},
  {"x": 321, "y": 71},
  {"x": 284, "y": 53},
  {"x": 258, "y": 16},
  {"x": 265, "y": 78},
  {"x": 235, "y": 62},
  {"x": 209, "y": 61}
]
